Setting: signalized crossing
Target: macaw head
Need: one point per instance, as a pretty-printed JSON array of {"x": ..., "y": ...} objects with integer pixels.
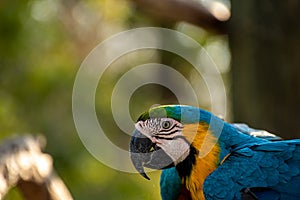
[{"x": 159, "y": 140}]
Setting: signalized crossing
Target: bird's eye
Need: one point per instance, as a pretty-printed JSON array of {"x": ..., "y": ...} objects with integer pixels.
[{"x": 166, "y": 124}]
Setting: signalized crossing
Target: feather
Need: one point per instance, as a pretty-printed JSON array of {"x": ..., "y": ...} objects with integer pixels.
[
  {"x": 170, "y": 184},
  {"x": 265, "y": 168}
]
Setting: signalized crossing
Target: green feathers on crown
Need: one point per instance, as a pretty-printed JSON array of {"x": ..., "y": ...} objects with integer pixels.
[{"x": 166, "y": 111}]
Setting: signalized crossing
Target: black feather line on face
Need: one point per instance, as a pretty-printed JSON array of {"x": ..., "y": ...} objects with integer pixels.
[
  {"x": 185, "y": 168},
  {"x": 165, "y": 133},
  {"x": 168, "y": 129}
]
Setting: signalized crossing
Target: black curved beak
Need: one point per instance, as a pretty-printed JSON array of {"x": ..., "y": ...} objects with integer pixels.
[{"x": 144, "y": 153}]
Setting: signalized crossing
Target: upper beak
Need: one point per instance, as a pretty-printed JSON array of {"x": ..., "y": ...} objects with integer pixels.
[{"x": 144, "y": 153}]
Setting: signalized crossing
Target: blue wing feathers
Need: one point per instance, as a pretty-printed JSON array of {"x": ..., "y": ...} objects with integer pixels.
[
  {"x": 296, "y": 153},
  {"x": 271, "y": 165},
  {"x": 291, "y": 189},
  {"x": 282, "y": 146},
  {"x": 267, "y": 194}
]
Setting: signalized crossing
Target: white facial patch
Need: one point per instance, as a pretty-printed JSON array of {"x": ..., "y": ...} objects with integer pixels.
[
  {"x": 142, "y": 128},
  {"x": 178, "y": 149},
  {"x": 166, "y": 133}
]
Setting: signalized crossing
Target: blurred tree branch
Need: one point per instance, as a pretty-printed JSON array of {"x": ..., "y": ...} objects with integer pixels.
[
  {"x": 190, "y": 11},
  {"x": 22, "y": 164}
]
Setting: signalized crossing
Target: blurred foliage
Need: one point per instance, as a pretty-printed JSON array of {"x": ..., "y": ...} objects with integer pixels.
[{"x": 43, "y": 43}]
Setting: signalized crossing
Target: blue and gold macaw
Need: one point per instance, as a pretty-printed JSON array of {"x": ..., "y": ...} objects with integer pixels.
[{"x": 203, "y": 157}]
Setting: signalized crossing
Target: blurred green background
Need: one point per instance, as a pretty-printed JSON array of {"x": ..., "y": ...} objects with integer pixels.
[{"x": 43, "y": 43}]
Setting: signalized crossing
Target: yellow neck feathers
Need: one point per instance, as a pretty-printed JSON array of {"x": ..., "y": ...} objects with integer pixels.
[{"x": 207, "y": 160}]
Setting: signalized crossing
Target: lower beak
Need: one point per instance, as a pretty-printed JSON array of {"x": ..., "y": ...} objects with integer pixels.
[{"x": 145, "y": 153}]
